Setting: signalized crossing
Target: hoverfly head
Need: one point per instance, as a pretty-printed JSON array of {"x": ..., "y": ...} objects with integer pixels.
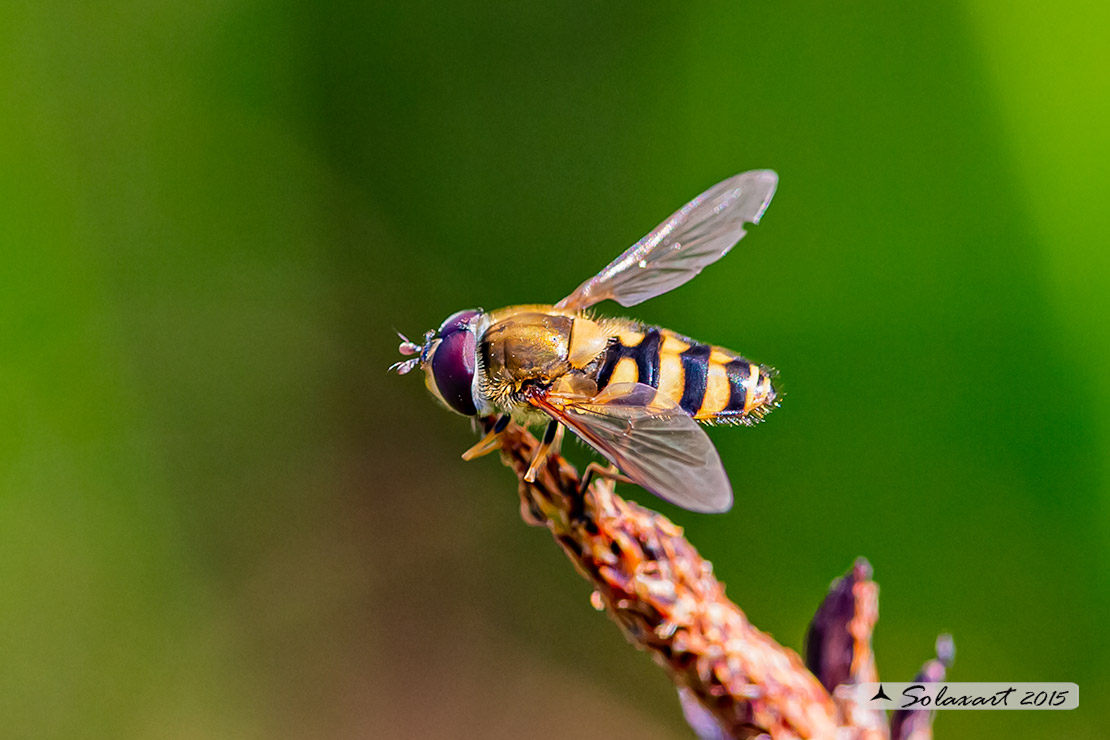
[{"x": 449, "y": 359}]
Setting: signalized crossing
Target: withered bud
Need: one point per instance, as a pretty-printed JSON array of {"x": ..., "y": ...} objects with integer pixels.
[
  {"x": 907, "y": 724},
  {"x": 838, "y": 644}
]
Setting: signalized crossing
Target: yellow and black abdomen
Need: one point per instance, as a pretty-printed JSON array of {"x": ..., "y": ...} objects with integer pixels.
[{"x": 712, "y": 384}]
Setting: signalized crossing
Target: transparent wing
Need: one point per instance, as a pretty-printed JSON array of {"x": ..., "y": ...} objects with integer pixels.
[
  {"x": 651, "y": 439},
  {"x": 698, "y": 234}
]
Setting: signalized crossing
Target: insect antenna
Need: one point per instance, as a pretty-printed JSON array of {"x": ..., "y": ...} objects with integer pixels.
[
  {"x": 408, "y": 348},
  {"x": 404, "y": 367}
]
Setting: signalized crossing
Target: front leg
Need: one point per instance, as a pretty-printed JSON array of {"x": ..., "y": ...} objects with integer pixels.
[{"x": 490, "y": 442}]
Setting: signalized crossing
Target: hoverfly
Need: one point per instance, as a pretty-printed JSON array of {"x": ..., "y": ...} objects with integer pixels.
[{"x": 635, "y": 393}]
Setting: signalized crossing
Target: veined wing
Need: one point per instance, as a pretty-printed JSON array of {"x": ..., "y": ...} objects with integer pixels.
[
  {"x": 698, "y": 234},
  {"x": 651, "y": 439}
]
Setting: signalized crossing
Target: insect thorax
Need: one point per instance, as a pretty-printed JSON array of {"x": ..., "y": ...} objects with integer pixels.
[{"x": 529, "y": 347}]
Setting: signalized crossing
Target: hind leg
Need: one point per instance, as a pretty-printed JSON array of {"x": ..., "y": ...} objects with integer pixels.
[{"x": 597, "y": 470}]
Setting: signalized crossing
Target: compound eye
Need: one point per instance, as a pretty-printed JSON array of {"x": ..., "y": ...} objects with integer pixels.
[
  {"x": 453, "y": 370},
  {"x": 457, "y": 321}
]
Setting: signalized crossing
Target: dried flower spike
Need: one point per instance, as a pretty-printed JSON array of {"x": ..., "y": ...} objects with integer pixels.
[{"x": 733, "y": 680}]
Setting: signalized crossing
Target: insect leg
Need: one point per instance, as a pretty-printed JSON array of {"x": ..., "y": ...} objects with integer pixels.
[
  {"x": 597, "y": 470},
  {"x": 550, "y": 435},
  {"x": 490, "y": 442},
  {"x": 593, "y": 470},
  {"x": 557, "y": 445}
]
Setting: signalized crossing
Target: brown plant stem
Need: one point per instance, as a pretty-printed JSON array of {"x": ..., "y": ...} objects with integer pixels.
[{"x": 664, "y": 597}]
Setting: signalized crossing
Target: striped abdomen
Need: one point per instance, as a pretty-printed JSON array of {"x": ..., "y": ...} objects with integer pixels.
[{"x": 712, "y": 384}]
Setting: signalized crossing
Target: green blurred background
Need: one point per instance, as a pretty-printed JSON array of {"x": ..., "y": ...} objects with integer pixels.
[{"x": 221, "y": 518}]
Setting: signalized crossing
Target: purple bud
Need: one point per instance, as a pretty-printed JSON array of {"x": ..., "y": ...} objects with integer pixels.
[
  {"x": 912, "y": 723},
  {"x": 830, "y": 644},
  {"x": 701, "y": 721}
]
